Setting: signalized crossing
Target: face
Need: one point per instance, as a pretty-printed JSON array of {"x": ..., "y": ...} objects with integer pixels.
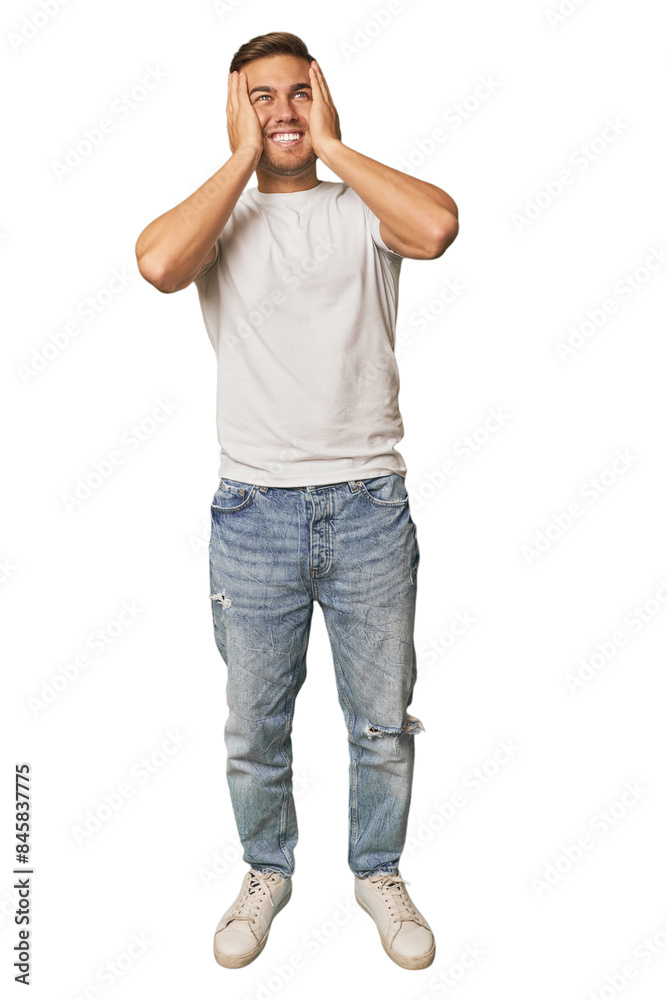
[{"x": 280, "y": 93}]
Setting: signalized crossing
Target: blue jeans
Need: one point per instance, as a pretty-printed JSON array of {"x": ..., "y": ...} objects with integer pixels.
[{"x": 351, "y": 546}]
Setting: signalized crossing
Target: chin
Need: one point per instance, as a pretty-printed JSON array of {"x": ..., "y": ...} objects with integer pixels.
[{"x": 288, "y": 166}]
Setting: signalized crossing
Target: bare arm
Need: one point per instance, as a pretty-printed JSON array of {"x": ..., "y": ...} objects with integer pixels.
[
  {"x": 417, "y": 219},
  {"x": 173, "y": 249}
]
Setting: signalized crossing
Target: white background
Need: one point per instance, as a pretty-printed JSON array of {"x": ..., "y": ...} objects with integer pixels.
[{"x": 489, "y": 868}]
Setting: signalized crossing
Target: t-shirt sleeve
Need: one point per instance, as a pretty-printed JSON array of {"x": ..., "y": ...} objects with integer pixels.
[
  {"x": 211, "y": 266},
  {"x": 374, "y": 226}
]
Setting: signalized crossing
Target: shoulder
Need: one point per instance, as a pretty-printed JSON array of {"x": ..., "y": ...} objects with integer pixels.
[
  {"x": 245, "y": 202},
  {"x": 348, "y": 201}
]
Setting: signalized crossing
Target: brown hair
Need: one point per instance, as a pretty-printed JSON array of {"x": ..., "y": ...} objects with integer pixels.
[{"x": 276, "y": 43}]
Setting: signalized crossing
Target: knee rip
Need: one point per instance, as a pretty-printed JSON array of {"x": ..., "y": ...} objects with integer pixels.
[
  {"x": 411, "y": 727},
  {"x": 221, "y": 599}
]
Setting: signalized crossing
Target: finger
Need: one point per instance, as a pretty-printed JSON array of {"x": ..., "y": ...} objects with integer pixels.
[
  {"x": 317, "y": 87},
  {"x": 234, "y": 92},
  {"x": 229, "y": 109},
  {"x": 323, "y": 83},
  {"x": 318, "y": 81},
  {"x": 328, "y": 99},
  {"x": 244, "y": 92}
]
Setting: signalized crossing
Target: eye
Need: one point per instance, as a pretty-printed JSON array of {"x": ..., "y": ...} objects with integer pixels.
[{"x": 299, "y": 93}]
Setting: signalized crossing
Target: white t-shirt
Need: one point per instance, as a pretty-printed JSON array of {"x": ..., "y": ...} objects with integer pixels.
[{"x": 300, "y": 306}]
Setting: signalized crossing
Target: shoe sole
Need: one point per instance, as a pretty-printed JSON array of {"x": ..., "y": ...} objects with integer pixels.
[
  {"x": 419, "y": 962},
  {"x": 238, "y": 961}
]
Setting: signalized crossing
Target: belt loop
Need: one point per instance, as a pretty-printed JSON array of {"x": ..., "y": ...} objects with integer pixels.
[{"x": 354, "y": 485}]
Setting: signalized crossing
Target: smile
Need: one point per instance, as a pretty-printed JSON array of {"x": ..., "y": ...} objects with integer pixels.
[{"x": 287, "y": 138}]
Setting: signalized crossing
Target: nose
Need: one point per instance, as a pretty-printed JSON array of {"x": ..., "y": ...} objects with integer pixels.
[{"x": 283, "y": 110}]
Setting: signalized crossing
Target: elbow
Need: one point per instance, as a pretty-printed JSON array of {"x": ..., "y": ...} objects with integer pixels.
[
  {"x": 154, "y": 273},
  {"x": 444, "y": 234}
]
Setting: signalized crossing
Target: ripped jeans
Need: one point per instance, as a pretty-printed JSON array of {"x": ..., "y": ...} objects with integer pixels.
[{"x": 274, "y": 551}]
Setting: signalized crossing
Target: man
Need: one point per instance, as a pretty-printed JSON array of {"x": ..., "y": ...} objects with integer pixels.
[{"x": 298, "y": 284}]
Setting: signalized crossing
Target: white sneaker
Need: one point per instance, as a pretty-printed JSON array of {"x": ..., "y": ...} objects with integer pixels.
[
  {"x": 243, "y": 929},
  {"x": 405, "y": 934}
]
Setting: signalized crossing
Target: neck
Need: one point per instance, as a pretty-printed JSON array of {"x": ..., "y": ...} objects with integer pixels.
[{"x": 270, "y": 183}]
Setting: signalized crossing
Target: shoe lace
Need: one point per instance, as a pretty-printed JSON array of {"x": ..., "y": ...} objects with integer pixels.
[
  {"x": 256, "y": 887},
  {"x": 393, "y": 890}
]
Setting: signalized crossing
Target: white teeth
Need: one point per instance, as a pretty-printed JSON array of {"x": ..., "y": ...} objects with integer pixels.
[{"x": 286, "y": 138}]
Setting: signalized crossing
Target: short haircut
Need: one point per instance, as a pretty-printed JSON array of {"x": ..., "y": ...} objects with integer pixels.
[{"x": 276, "y": 43}]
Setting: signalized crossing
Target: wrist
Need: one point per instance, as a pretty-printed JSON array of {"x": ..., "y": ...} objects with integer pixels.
[
  {"x": 328, "y": 149},
  {"x": 248, "y": 155}
]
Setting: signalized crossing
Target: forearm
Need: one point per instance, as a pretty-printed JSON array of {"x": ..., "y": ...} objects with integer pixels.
[
  {"x": 171, "y": 249},
  {"x": 419, "y": 213}
]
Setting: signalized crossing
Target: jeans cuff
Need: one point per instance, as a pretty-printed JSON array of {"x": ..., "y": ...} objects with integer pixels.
[
  {"x": 377, "y": 871},
  {"x": 266, "y": 871}
]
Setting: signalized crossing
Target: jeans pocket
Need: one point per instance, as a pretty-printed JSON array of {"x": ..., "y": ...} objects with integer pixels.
[
  {"x": 231, "y": 496},
  {"x": 385, "y": 491}
]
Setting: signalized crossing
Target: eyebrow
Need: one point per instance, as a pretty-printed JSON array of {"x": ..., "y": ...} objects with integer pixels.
[{"x": 272, "y": 90}]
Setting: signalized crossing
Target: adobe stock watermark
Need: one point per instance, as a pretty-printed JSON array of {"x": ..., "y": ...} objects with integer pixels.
[
  {"x": 97, "y": 642},
  {"x": 462, "y": 452},
  {"x": 435, "y": 650},
  {"x": 366, "y": 32},
  {"x": 288, "y": 455},
  {"x": 140, "y": 773},
  {"x": 32, "y": 24},
  {"x": 112, "y": 971},
  {"x": 421, "y": 318},
  {"x": 579, "y": 160},
  {"x": 231, "y": 855},
  {"x": 562, "y": 12},
  {"x": 450, "y": 976},
  {"x": 121, "y": 109},
  {"x": 643, "y": 954},
  {"x": 634, "y": 621},
  {"x": 311, "y": 945},
  {"x": 222, "y": 7},
  {"x": 202, "y": 199},
  {"x": 453, "y": 119},
  {"x": 591, "y": 491},
  {"x": 418, "y": 322},
  {"x": 600, "y": 825},
  {"x": 87, "y": 310},
  {"x": 624, "y": 289},
  {"x": 7, "y": 569},
  {"x": 7, "y": 907},
  {"x": 199, "y": 543},
  {"x": 131, "y": 440},
  {"x": 292, "y": 278},
  {"x": 471, "y": 784}
]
